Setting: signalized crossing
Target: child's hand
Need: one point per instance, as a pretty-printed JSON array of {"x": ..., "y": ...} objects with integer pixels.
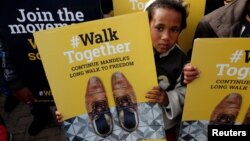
[
  {"x": 59, "y": 117},
  {"x": 157, "y": 95},
  {"x": 190, "y": 73}
]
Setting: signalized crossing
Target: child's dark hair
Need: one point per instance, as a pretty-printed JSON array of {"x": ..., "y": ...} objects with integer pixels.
[{"x": 171, "y": 4}]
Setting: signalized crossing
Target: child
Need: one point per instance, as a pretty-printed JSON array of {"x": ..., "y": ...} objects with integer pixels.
[{"x": 167, "y": 18}]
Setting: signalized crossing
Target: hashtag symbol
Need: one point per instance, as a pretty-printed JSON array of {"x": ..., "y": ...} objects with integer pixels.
[
  {"x": 74, "y": 41},
  {"x": 236, "y": 56}
]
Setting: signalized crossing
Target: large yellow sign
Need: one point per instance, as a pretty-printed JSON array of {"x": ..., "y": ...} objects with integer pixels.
[
  {"x": 99, "y": 73},
  {"x": 220, "y": 96},
  {"x": 224, "y": 66},
  {"x": 73, "y": 54}
]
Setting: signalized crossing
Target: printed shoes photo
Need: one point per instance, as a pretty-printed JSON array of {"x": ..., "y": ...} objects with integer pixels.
[
  {"x": 226, "y": 112},
  {"x": 98, "y": 108},
  {"x": 125, "y": 100}
]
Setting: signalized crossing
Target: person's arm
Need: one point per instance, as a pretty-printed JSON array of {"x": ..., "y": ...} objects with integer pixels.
[
  {"x": 157, "y": 95},
  {"x": 176, "y": 100},
  {"x": 204, "y": 30},
  {"x": 190, "y": 73},
  {"x": 172, "y": 101},
  {"x": 59, "y": 117}
]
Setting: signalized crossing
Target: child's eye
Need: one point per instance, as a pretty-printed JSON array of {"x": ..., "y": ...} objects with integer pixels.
[
  {"x": 175, "y": 30},
  {"x": 160, "y": 28}
]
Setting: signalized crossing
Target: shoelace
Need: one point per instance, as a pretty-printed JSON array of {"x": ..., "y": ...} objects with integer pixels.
[
  {"x": 121, "y": 101},
  {"x": 99, "y": 108},
  {"x": 128, "y": 119},
  {"x": 100, "y": 122},
  {"x": 124, "y": 102}
]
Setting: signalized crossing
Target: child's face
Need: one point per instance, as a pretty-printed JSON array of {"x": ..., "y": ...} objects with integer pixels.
[{"x": 165, "y": 28}]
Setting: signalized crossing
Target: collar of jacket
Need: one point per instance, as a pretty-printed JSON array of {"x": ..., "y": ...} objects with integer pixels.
[{"x": 226, "y": 21}]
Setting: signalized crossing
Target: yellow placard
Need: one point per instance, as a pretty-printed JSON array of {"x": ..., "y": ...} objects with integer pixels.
[
  {"x": 224, "y": 66},
  {"x": 220, "y": 96},
  {"x": 99, "y": 73},
  {"x": 72, "y": 55}
]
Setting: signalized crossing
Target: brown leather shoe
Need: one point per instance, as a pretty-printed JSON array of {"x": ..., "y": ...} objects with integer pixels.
[
  {"x": 125, "y": 99},
  {"x": 247, "y": 118},
  {"x": 227, "y": 110},
  {"x": 98, "y": 108}
]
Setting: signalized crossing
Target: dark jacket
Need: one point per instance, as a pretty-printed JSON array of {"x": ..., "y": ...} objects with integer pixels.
[
  {"x": 225, "y": 21},
  {"x": 169, "y": 67}
]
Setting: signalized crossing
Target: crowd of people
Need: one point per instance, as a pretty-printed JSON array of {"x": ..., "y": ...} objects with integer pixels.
[{"x": 167, "y": 18}]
